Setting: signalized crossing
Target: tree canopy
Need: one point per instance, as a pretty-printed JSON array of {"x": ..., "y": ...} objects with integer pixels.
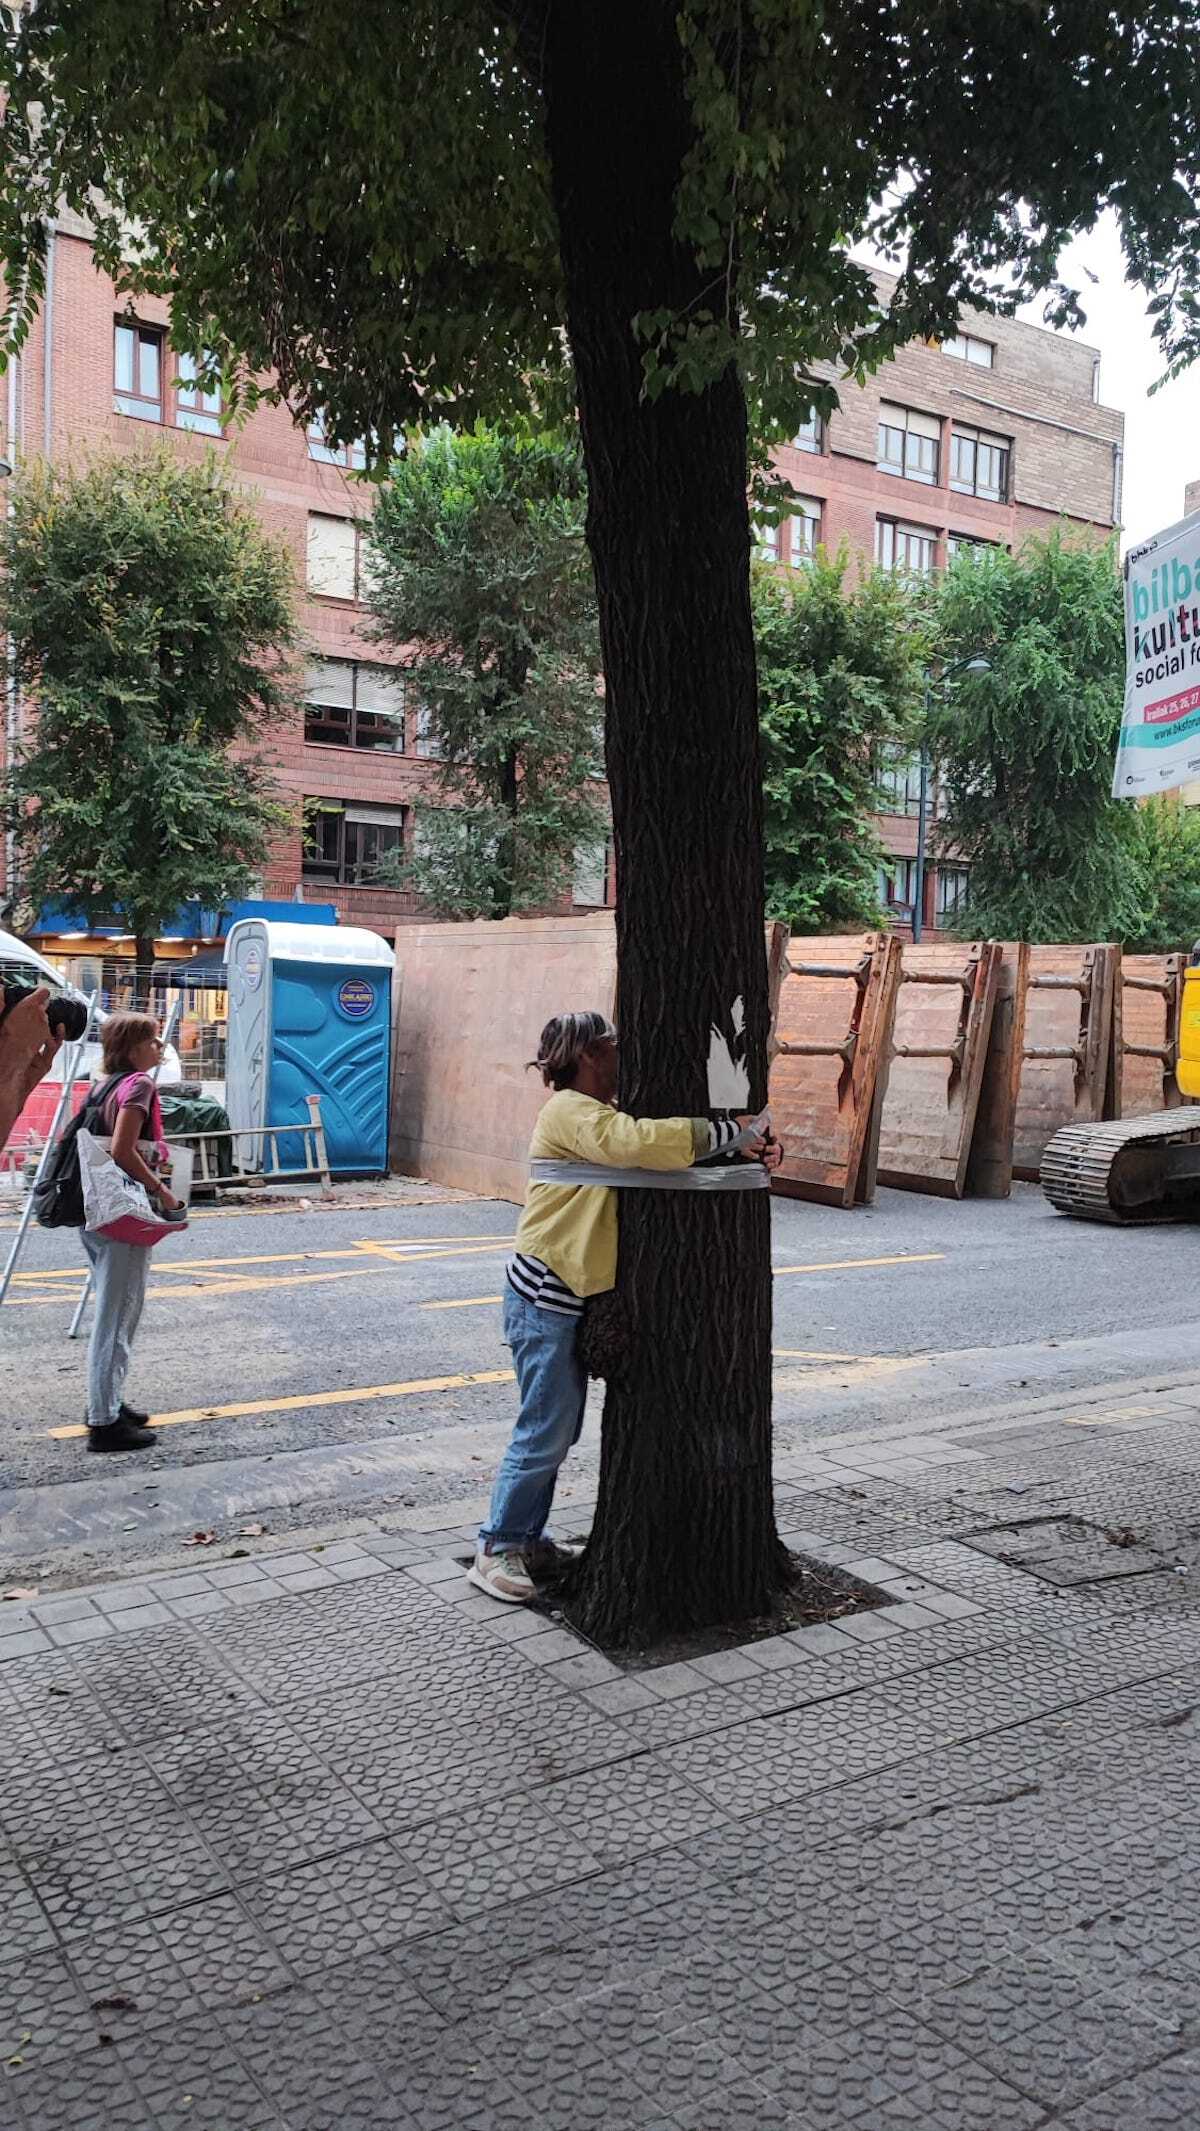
[
  {"x": 1163, "y": 844},
  {"x": 839, "y": 683},
  {"x": 481, "y": 575},
  {"x": 1026, "y": 750},
  {"x": 361, "y": 199},
  {"x": 151, "y": 622}
]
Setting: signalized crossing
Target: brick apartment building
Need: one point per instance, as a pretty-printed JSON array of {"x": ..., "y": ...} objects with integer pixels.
[
  {"x": 982, "y": 441},
  {"x": 93, "y": 377},
  {"x": 991, "y": 437}
]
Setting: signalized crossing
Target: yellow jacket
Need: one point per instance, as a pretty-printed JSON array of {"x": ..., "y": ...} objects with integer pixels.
[{"x": 572, "y": 1228}]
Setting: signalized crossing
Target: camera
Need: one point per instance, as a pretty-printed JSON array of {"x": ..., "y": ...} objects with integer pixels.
[{"x": 68, "y": 1014}]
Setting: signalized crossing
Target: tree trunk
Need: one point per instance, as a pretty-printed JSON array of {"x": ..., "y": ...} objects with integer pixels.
[
  {"x": 506, "y": 848},
  {"x": 143, "y": 961},
  {"x": 685, "y": 1532}
]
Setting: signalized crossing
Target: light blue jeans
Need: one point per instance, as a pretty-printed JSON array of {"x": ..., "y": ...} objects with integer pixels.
[
  {"x": 120, "y": 1271},
  {"x": 553, "y": 1392}
]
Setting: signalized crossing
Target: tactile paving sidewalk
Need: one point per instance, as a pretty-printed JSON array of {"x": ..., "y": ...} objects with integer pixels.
[{"x": 365, "y": 1850}]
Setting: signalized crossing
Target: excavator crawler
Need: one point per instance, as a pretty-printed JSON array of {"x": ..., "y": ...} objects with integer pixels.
[{"x": 1137, "y": 1168}]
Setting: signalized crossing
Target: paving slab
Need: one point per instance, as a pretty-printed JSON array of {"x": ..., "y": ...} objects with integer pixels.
[{"x": 360, "y": 1785}]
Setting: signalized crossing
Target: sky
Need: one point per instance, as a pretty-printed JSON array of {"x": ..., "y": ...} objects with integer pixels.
[{"x": 1162, "y": 434}]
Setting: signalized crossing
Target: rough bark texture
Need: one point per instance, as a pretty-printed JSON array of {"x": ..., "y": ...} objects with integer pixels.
[
  {"x": 143, "y": 963},
  {"x": 685, "y": 1533}
]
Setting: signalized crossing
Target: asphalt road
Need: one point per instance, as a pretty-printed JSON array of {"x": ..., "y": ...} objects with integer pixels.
[{"x": 309, "y": 1366}]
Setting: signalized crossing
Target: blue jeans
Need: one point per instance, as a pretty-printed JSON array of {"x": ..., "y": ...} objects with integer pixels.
[
  {"x": 553, "y": 1392},
  {"x": 119, "y": 1270}
]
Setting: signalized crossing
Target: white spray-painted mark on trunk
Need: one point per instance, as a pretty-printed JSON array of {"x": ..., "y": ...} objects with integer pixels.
[{"x": 728, "y": 1075}]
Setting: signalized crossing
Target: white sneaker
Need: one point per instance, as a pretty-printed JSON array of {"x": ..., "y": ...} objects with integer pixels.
[{"x": 502, "y": 1576}]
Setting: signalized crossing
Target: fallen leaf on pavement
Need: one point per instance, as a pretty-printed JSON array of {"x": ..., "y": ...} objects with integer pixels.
[
  {"x": 20, "y": 1590},
  {"x": 201, "y": 1539},
  {"x": 116, "y": 2004}
]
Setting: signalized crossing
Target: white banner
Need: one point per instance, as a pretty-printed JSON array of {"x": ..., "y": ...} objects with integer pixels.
[{"x": 1159, "y": 746}]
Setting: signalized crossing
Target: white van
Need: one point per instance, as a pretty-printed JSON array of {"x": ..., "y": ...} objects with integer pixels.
[{"x": 18, "y": 954}]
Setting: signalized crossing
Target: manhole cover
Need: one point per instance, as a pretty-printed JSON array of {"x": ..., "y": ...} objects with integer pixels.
[{"x": 1065, "y": 1551}]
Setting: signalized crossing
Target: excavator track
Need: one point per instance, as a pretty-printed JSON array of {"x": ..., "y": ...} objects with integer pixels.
[{"x": 1135, "y": 1169}]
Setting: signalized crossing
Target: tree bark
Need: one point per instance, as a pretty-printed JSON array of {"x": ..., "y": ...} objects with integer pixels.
[
  {"x": 685, "y": 1534},
  {"x": 143, "y": 963},
  {"x": 506, "y": 849}
]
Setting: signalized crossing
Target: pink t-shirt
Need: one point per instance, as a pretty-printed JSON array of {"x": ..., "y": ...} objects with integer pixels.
[{"x": 137, "y": 1092}]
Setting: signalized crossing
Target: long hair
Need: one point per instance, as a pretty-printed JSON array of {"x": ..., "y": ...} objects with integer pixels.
[
  {"x": 122, "y": 1034},
  {"x": 563, "y": 1042}
]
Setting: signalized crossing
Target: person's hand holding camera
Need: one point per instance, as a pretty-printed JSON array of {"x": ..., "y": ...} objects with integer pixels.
[
  {"x": 28, "y": 1044},
  {"x": 28, "y": 1048}
]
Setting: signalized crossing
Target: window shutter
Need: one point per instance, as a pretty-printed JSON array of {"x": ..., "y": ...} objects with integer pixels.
[
  {"x": 331, "y": 556},
  {"x": 330, "y": 683}
]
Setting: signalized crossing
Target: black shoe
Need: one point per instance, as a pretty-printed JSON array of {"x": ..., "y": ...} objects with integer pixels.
[
  {"x": 121, "y": 1435},
  {"x": 131, "y": 1414}
]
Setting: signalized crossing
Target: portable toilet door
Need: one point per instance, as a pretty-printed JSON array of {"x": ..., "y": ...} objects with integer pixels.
[
  {"x": 317, "y": 1012},
  {"x": 247, "y": 1034}
]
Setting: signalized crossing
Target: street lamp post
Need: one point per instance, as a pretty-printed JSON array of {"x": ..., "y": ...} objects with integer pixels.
[{"x": 977, "y": 663}]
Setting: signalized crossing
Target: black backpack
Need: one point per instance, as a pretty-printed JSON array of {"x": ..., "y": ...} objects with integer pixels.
[{"x": 58, "y": 1196}]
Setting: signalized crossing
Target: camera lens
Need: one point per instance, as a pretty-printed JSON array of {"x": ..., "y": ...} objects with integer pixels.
[{"x": 68, "y": 1014}]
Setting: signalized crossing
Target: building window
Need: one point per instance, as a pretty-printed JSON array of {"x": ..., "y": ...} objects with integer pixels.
[
  {"x": 345, "y": 843},
  {"x": 811, "y": 435},
  {"x": 352, "y": 456},
  {"x": 979, "y": 464},
  {"x": 953, "y": 890},
  {"x": 769, "y": 542},
  {"x": 590, "y": 886},
  {"x": 138, "y": 371},
  {"x": 909, "y": 444},
  {"x": 196, "y": 408},
  {"x": 806, "y": 531},
  {"x": 967, "y": 544},
  {"x": 339, "y": 552},
  {"x": 897, "y": 882},
  {"x": 970, "y": 349},
  {"x": 426, "y": 737},
  {"x": 349, "y": 705},
  {"x": 898, "y": 778},
  {"x": 906, "y": 549}
]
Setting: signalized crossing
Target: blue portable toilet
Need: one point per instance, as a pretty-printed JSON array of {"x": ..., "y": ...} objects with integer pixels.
[{"x": 310, "y": 1013}]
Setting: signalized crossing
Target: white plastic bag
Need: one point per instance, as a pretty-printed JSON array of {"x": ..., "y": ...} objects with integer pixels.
[{"x": 116, "y": 1205}]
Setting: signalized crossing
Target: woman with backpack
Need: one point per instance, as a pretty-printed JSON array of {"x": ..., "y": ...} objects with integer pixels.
[{"x": 125, "y": 1110}]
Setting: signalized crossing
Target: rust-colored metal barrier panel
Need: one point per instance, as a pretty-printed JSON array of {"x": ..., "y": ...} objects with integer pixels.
[
  {"x": 1065, "y": 1055},
  {"x": 472, "y": 1000},
  {"x": 1144, "y": 1046},
  {"x": 829, "y": 1073},
  {"x": 990, "y": 1167},
  {"x": 942, "y": 1023}
]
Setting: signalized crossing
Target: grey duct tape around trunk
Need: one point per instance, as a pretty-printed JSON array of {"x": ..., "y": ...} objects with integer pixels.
[{"x": 746, "y": 1176}]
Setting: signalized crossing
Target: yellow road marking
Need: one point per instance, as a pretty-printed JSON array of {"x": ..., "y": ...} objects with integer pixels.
[
  {"x": 849, "y": 1365},
  {"x": 351, "y": 1397},
  {"x": 846, "y": 1265},
  {"x": 292, "y": 1257},
  {"x": 466, "y": 1302},
  {"x": 182, "y": 1270},
  {"x": 809, "y": 1354}
]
